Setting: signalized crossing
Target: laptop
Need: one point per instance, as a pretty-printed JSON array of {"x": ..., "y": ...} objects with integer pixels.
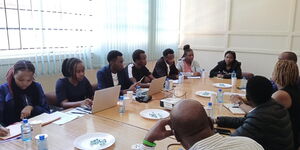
[
  {"x": 105, "y": 98},
  {"x": 156, "y": 85}
]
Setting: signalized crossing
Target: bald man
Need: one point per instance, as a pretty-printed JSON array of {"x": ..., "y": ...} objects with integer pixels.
[{"x": 194, "y": 130}]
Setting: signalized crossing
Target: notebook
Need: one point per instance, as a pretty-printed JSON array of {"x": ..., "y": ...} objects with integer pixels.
[
  {"x": 235, "y": 110},
  {"x": 15, "y": 129}
]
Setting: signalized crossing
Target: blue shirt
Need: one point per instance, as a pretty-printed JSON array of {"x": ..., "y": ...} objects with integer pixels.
[
  {"x": 8, "y": 104},
  {"x": 66, "y": 90},
  {"x": 105, "y": 79}
]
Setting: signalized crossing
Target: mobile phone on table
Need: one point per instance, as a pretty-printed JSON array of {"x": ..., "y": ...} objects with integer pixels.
[{"x": 222, "y": 131}]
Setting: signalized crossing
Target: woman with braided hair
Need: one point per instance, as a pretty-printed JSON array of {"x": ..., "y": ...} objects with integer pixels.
[
  {"x": 21, "y": 97},
  {"x": 74, "y": 89}
]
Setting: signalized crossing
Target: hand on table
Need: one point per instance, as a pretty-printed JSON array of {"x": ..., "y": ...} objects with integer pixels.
[
  {"x": 4, "y": 131},
  {"x": 87, "y": 102},
  {"x": 236, "y": 99},
  {"x": 158, "y": 131},
  {"x": 196, "y": 74},
  {"x": 26, "y": 112},
  {"x": 220, "y": 76}
]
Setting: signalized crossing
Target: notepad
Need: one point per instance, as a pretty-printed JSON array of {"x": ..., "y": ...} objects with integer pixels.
[
  {"x": 65, "y": 117},
  {"x": 233, "y": 109},
  {"x": 15, "y": 129},
  {"x": 194, "y": 77}
]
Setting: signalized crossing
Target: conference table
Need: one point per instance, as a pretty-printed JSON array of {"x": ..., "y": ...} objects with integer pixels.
[{"x": 128, "y": 128}]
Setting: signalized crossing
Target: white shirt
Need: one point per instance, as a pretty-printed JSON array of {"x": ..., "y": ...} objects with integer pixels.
[
  {"x": 219, "y": 142},
  {"x": 115, "y": 78},
  {"x": 130, "y": 70},
  {"x": 168, "y": 68}
]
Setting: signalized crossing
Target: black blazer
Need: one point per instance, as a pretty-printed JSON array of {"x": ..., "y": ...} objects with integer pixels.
[
  {"x": 105, "y": 79},
  {"x": 268, "y": 124},
  {"x": 221, "y": 69},
  {"x": 161, "y": 69}
]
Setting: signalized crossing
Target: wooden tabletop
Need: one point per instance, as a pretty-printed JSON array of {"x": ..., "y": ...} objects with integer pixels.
[
  {"x": 189, "y": 86},
  {"x": 62, "y": 137},
  {"x": 128, "y": 128}
]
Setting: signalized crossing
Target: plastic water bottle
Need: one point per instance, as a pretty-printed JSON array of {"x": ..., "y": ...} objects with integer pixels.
[
  {"x": 180, "y": 78},
  {"x": 210, "y": 111},
  {"x": 138, "y": 92},
  {"x": 121, "y": 105},
  {"x": 167, "y": 84},
  {"x": 243, "y": 83},
  {"x": 203, "y": 73},
  {"x": 220, "y": 100},
  {"x": 233, "y": 79},
  {"x": 42, "y": 142},
  {"x": 26, "y": 131}
]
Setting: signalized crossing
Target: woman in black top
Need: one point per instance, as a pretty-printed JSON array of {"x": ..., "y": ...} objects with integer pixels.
[
  {"x": 227, "y": 66},
  {"x": 286, "y": 75}
]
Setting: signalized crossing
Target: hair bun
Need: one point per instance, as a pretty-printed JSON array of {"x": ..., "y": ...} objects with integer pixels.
[{"x": 187, "y": 46}]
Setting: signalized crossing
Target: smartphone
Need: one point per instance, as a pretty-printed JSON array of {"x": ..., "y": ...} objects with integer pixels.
[{"x": 222, "y": 131}]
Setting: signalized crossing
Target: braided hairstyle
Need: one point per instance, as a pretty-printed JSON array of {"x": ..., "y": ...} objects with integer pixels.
[
  {"x": 186, "y": 49},
  {"x": 20, "y": 65},
  {"x": 68, "y": 67}
]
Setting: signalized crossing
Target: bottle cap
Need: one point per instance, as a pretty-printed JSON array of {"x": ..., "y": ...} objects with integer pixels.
[
  {"x": 25, "y": 120},
  {"x": 42, "y": 137},
  {"x": 121, "y": 98},
  {"x": 209, "y": 103},
  {"x": 220, "y": 90}
]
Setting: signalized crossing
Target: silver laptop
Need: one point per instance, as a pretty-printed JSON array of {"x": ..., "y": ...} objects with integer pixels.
[
  {"x": 105, "y": 98},
  {"x": 156, "y": 85}
]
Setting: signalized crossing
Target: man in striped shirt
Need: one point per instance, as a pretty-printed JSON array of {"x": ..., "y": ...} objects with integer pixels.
[{"x": 194, "y": 130}]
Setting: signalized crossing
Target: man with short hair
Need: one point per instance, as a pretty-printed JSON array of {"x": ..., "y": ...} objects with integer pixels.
[
  {"x": 137, "y": 71},
  {"x": 165, "y": 66},
  {"x": 194, "y": 130},
  {"x": 114, "y": 74},
  {"x": 268, "y": 123}
]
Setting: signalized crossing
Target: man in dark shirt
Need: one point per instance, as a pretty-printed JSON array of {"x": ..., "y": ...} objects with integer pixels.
[
  {"x": 165, "y": 66},
  {"x": 138, "y": 72},
  {"x": 268, "y": 123},
  {"x": 114, "y": 74}
]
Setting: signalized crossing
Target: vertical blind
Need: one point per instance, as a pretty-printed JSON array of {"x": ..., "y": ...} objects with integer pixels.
[{"x": 48, "y": 31}]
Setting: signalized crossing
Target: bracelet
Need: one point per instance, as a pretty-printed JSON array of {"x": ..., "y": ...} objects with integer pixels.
[{"x": 151, "y": 144}]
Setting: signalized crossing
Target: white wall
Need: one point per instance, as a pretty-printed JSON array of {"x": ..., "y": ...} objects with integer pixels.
[{"x": 258, "y": 30}]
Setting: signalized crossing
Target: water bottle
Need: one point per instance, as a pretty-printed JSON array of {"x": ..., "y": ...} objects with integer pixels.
[
  {"x": 243, "y": 83},
  {"x": 203, "y": 73},
  {"x": 121, "y": 105},
  {"x": 233, "y": 79},
  {"x": 180, "y": 78},
  {"x": 220, "y": 100},
  {"x": 138, "y": 92},
  {"x": 210, "y": 112},
  {"x": 42, "y": 142},
  {"x": 167, "y": 84},
  {"x": 220, "y": 96},
  {"x": 26, "y": 131}
]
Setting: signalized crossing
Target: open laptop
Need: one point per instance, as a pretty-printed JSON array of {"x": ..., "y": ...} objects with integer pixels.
[
  {"x": 156, "y": 85},
  {"x": 105, "y": 98}
]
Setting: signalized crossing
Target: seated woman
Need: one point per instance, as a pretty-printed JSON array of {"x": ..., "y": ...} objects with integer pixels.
[
  {"x": 187, "y": 64},
  {"x": 286, "y": 75},
  {"x": 227, "y": 66},
  {"x": 21, "y": 97},
  {"x": 74, "y": 89}
]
